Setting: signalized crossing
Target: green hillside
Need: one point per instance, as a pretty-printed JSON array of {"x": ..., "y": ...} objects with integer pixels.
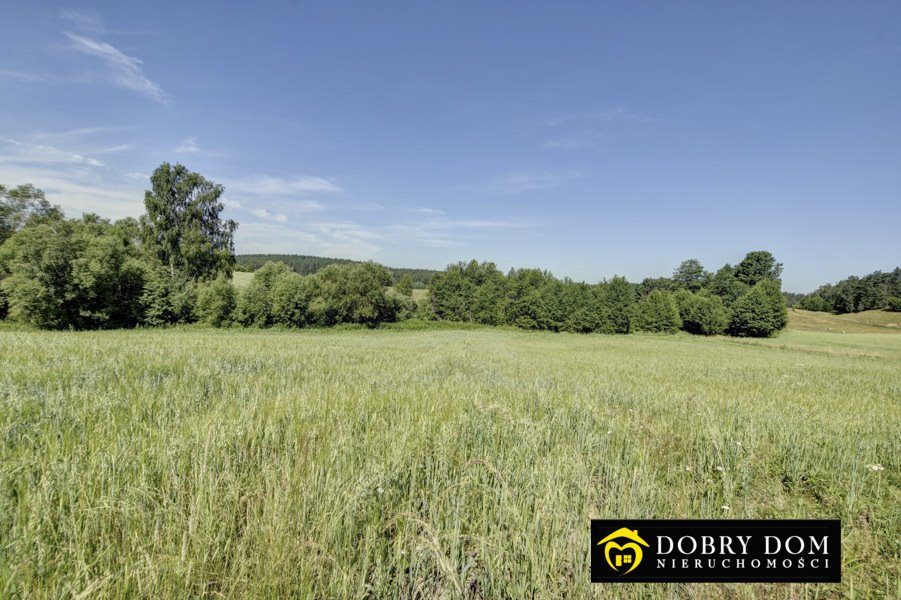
[{"x": 870, "y": 321}]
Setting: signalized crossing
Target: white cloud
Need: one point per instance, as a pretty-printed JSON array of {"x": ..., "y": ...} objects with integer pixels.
[
  {"x": 583, "y": 129},
  {"x": 607, "y": 114},
  {"x": 87, "y": 20},
  {"x": 428, "y": 211},
  {"x": 514, "y": 184},
  {"x": 276, "y": 186},
  {"x": 14, "y": 151},
  {"x": 114, "y": 149},
  {"x": 573, "y": 142},
  {"x": 345, "y": 240},
  {"x": 77, "y": 189},
  {"x": 189, "y": 146},
  {"x": 123, "y": 70},
  {"x": 262, "y": 213}
]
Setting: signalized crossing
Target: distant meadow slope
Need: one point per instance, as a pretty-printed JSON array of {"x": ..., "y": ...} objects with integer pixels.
[{"x": 428, "y": 464}]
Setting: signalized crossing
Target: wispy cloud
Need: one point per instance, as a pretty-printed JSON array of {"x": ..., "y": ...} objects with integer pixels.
[
  {"x": 114, "y": 149},
  {"x": 15, "y": 151},
  {"x": 604, "y": 115},
  {"x": 78, "y": 189},
  {"x": 122, "y": 70},
  {"x": 584, "y": 129},
  {"x": 514, "y": 184},
  {"x": 576, "y": 141},
  {"x": 262, "y": 213},
  {"x": 85, "y": 20},
  {"x": 348, "y": 238},
  {"x": 276, "y": 186},
  {"x": 80, "y": 132},
  {"x": 345, "y": 240},
  {"x": 428, "y": 211},
  {"x": 22, "y": 76},
  {"x": 189, "y": 146}
]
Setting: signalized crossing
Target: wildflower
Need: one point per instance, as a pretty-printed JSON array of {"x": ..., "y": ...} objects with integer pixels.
[
  {"x": 726, "y": 507},
  {"x": 720, "y": 469},
  {"x": 875, "y": 467},
  {"x": 688, "y": 467}
]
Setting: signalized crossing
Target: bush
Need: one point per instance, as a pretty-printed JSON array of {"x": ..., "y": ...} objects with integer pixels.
[
  {"x": 73, "y": 274},
  {"x": 814, "y": 302},
  {"x": 352, "y": 293},
  {"x": 254, "y": 306},
  {"x": 656, "y": 312},
  {"x": 167, "y": 300},
  {"x": 216, "y": 302},
  {"x": 759, "y": 313},
  {"x": 702, "y": 314},
  {"x": 291, "y": 297},
  {"x": 893, "y": 304}
]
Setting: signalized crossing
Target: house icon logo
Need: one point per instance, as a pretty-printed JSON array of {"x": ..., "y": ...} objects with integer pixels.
[{"x": 620, "y": 556}]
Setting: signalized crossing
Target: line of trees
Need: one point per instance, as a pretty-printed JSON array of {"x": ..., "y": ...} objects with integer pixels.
[
  {"x": 174, "y": 265},
  {"x": 745, "y": 300},
  {"x": 308, "y": 265},
  {"x": 877, "y": 290},
  {"x": 92, "y": 273}
]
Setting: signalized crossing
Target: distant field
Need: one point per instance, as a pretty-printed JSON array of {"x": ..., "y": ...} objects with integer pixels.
[
  {"x": 871, "y": 321},
  {"x": 429, "y": 464}
]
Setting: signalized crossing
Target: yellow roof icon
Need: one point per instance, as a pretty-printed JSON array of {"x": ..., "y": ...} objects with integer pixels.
[{"x": 631, "y": 534}]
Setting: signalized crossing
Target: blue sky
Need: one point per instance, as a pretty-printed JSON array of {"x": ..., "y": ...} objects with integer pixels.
[{"x": 582, "y": 137}]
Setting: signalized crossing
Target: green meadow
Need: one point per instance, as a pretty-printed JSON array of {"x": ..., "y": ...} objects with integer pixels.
[{"x": 396, "y": 463}]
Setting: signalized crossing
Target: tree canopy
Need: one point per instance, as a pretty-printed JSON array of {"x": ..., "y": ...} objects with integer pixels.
[{"x": 183, "y": 227}]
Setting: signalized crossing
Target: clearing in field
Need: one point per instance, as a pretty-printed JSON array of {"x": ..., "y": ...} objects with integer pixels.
[{"x": 386, "y": 463}]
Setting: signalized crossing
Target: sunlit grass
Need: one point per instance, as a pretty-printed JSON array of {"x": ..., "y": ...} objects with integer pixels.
[{"x": 342, "y": 464}]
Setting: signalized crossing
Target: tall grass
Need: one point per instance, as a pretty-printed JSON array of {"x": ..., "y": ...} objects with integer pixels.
[{"x": 427, "y": 464}]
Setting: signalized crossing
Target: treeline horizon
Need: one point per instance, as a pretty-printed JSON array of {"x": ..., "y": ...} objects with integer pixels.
[
  {"x": 859, "y": 293},
  {"x": 304, "y": 264},
  {"x": 174, "y": 265},
  {"x": 876, "y": 291}
]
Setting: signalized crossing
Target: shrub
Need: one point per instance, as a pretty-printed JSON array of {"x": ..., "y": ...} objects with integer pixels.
[
  {"x": 352, "y": 293},
  {"x": 291, "y": 297},
  {"x": 216, "y": 301},
  {"x": 167, "y": 300},
  {"x": 702, "y": 314},
  {"x": 255, "y": 301},
  {"x": 814, "y": 302},
  {"x": 657, "y": 312},
  {"x": 759, "y": 313}
]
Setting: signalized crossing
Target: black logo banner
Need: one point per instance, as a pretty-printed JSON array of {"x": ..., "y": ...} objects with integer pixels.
[{"x": 688, "y": 550}]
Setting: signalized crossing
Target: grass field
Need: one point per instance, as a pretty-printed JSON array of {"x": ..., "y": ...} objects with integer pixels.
[
  {"x": 870, "y": 321},
  {"x": 430, "y": 464}
]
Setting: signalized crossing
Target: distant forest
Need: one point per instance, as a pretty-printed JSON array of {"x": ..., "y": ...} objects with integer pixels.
[
  {"x": 307, "y": 265},
  {"x": 877, "y": 290}
]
